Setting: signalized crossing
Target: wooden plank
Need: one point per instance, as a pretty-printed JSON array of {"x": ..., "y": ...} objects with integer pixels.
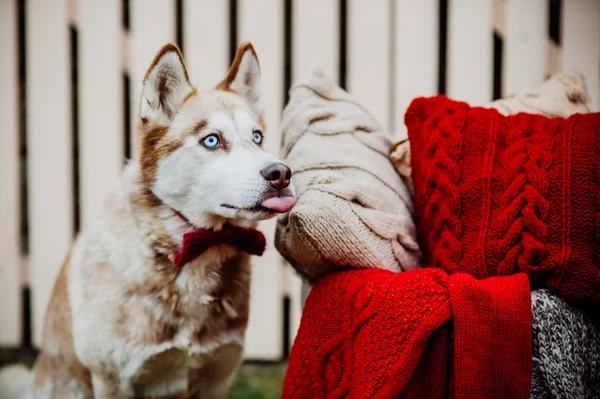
[
  {"x": 293, "y": 288},
  {"x": 152, "y": 26},
  {"x": 315, "y": 42},
  {"x": 416, "y": 51},
  {"x": 49, "y": 143},
  {"x": 10, "y": 281},
  {"x": 261, "y": 22},
  {"x": 525, "y": 45},
  {"x": 315, "y": 37},
  {"x": 554, "y": 58},
  {"x": 100, "y": 103},
  {"x": 369, "y": 47},
  {"x": 470, "y": 51},
  {"x": 72, "y": 13},
  {"x": 500, "y": 16},
  {"x": 206, "y": 41},
  {"x": 581, "y": 43}
]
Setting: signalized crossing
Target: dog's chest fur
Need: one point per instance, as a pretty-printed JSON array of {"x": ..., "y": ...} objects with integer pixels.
[{"x": 135, "y": 316}]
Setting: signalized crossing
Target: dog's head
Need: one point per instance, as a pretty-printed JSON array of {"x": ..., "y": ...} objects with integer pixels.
[{"x": 202, "y": 151}]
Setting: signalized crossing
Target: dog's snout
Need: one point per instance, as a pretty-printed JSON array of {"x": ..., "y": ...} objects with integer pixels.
[{"x": 278, "y": 175}]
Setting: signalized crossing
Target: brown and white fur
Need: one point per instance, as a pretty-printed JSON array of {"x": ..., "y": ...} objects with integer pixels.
[{"x": 123, "y": 322}]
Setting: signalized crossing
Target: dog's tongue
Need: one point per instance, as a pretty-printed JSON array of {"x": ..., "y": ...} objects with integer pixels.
[{"x": 279, "y": 204}]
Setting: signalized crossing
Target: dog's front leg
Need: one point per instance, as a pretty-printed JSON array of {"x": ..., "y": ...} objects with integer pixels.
[{"x": 108, "y": 386}]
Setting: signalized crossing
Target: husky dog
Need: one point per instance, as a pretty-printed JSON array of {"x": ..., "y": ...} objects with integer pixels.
[{"x": 123, "y": 320}]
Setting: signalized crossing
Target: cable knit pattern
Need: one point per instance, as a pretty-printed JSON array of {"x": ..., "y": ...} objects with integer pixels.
[
  {"x": 561, "y": 95},
  {"x": 443, "y": 149},
  {"x": 521, "y": 222},
  {"x": 528, "y": 195},
  {"x": 368, "y": 334},
  {"x": 352, "y": 210}
]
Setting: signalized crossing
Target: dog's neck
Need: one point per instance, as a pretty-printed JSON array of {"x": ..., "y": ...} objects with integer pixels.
[
  {"x": 164, "y": 226},
  {"x": 179, "y": 295}
]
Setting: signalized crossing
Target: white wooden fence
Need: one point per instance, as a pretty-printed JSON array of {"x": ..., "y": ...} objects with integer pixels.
[{"x": 64, "y": 138}]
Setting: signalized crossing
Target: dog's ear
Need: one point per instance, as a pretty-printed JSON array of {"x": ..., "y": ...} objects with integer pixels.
[
  {"x": 243, "y": 77},
  {"x": 166, "y": 86}
]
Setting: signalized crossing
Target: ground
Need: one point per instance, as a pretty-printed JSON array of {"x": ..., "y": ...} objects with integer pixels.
[
  {"x": 258, "y": 382},
  {"x": 253, "y": 381}
]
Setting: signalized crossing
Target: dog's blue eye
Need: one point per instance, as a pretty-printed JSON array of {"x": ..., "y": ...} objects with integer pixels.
[
  {"x": 211, "y": 141},
  {"x": 257, "y": 136}
]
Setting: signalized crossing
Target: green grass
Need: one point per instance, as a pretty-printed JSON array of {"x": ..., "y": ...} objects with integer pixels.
[
  {"x": 11, "y": 356},
  {"x": 252, "y": 381},
  {"x": 258, "y": 382}
]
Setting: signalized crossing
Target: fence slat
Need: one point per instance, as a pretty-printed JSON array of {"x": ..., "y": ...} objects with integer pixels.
[
  {"x": 315, "y": 42},
  {"x": 525, "y": 58},
  {"x": 101, "y": 135},
  {"x": 470, "y": 51},
  {"x": 416, "y": 51},
  {"x": 261, "y": 22},
  {"x": 49, "y": 143},
  {"x": 554, "y": 58},
  {"x": 205, "y": 42},
  {"x": 369, "y": 45},
  {"x": 315, "y": 37},
  {"x": 293, "y": 288},
  {"x": 152, "y": 26},
  {"x": 10, "y": 293},
  {"x": 581, "y": 43}
]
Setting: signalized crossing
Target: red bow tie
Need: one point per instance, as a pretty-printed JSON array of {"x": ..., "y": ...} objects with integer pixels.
[{"x": 196, "y": 242}]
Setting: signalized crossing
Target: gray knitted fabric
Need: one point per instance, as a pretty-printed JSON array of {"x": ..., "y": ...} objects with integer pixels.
[{"x": 566, "y": 350}]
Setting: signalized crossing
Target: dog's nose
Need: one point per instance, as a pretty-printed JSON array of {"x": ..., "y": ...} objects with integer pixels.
[{"x": 278, "y": 175}]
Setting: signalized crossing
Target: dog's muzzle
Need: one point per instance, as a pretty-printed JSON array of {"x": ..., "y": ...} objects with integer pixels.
[{"x": 278, "y": 176}]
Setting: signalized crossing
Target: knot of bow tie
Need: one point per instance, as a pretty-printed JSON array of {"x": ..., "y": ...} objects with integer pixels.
[{"x": 196, "y": 242}]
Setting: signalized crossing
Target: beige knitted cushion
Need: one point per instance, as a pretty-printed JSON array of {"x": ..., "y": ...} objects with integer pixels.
[
  {"x": 353, "y": 210},
  {"x": 561, "y": 95}
]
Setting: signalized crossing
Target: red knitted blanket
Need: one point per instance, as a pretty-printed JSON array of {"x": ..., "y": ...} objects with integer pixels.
[{"x": 376, "y": 334}]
